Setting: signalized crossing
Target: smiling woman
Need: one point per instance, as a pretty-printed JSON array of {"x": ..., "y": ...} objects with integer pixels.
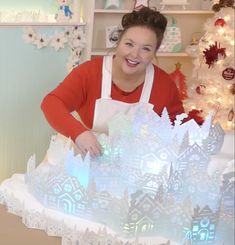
[{"x": 118, "y": 83}]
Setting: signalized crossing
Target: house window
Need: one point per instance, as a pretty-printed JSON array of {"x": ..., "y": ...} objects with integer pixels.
[{"x": 134, "y": 217}]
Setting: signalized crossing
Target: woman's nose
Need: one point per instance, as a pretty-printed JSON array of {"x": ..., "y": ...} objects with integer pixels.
[{"x": 135, "y": 52}]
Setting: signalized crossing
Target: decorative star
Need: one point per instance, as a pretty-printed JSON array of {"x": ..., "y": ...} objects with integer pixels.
[
  {"x": 110, "y": 4},
  {"x": 141, "y": 3}
]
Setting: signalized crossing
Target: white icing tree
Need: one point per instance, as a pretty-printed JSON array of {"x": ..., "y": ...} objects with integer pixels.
[{"x": 213, "y": 87}]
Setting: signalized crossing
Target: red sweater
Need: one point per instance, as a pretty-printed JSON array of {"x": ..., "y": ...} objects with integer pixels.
[{"x": 82, "y": 87}]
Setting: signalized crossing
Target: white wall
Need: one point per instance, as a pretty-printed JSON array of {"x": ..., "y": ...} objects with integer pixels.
[{"x": 27, "y": 74}]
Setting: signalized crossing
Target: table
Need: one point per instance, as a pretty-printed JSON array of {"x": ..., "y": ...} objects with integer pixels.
[{"x": 14, "y": 232}]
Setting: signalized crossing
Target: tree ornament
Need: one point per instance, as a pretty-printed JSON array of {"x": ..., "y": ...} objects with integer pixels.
[
  {"x": 220, "y": 22},
  {"x": 231, "y": 115},
  {"x": 192, "y": 49},
  {"x": 140, "y": 3},
  {"x": 201, "y": 89},
  {"x": 212, "y": 53},
  {"x": 228, "y": 73},
  {"x": 197, "y": 115},
  {"x": 232, "y": 88},
  {"x": 223, "y": 4},
  {"x": 179, "y": 78},
  {"x": 216, "y": 7}
]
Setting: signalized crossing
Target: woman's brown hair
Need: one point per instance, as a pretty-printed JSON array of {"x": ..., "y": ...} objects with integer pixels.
[{"x": 147, "y": 17}]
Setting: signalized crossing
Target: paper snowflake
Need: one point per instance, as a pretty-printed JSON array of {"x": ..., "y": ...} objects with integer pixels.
[
  {"x": 58, "y": 41},
  {"x": 74, "y": 37},
  {"x": 74, "y": 58},
  {"x": 78, "y": 39},
  {"x": 29, "y": 35},
  {"x": 41, "y": 40}
]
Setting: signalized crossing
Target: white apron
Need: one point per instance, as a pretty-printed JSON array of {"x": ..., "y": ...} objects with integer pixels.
[{"x": 106, "y": 108}]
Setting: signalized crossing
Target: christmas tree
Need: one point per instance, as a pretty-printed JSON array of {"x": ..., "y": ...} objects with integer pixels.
[{"x": 214, "y": 86}]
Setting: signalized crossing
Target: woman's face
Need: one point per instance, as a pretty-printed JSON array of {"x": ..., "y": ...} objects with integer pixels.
[{"x": 136, "y": 50}]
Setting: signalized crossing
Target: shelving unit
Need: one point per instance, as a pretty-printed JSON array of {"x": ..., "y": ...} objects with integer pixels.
[
  {"x": 96, "y": 19},
  {"x": 123, "y": 11},
  {"x": 190, "y": 21},
  {"x": 9, "y": 24}
]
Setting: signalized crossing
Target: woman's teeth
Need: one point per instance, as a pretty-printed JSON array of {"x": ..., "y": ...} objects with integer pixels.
[{"x": 132, "y": 62}]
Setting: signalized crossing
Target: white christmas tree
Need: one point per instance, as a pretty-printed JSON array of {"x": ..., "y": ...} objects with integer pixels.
[{"x": 213, "y": 88}]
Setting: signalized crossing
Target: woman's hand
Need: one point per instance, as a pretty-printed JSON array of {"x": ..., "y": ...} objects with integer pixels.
[{"x": 87, "y": 141}]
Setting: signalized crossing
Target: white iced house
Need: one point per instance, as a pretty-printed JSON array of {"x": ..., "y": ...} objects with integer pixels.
[{"x": 149, "y": 180}]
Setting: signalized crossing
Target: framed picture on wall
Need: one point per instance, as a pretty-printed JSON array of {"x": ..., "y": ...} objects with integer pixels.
[{"x": 112, "y": 36}]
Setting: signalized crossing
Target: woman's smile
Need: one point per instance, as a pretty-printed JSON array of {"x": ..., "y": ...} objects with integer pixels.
[{"x": 132, "y": 63}]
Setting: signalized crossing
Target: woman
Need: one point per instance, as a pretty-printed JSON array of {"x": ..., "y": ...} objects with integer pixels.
[{"x": 102, "y": 87}]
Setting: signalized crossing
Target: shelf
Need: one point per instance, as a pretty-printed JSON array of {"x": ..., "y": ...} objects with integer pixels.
[
  {"x": 112, "y": 11},
  {"x": 124, "y": 11},
  {"x": 12, "y": 24},
  {"x": 181, "y": 54},
  {"x": 107, "y": 51},
  {"x": 187, "y": 12}
]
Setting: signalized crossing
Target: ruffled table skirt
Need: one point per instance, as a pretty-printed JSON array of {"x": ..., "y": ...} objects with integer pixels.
[{"x": 73, "y": 230}]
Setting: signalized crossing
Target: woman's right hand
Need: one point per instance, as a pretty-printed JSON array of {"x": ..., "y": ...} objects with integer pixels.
[{"x": 87, "y": 141}]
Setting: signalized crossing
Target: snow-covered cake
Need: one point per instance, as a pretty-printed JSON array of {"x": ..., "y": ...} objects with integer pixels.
[{"x": 151, "y": 181}]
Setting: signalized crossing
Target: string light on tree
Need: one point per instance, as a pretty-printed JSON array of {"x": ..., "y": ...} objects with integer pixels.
[{"x": 213, "y": 72}]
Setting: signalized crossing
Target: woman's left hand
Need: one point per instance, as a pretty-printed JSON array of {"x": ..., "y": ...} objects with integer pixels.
[{"x": 87, "y": 141}]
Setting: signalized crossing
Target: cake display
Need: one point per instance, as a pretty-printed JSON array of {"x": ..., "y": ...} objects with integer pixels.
[{"x": 154, "y": 182}]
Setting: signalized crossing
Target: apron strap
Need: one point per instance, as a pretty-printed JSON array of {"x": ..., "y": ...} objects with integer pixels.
[
  {"x": 107, "y": 80},
  {"x": 148, "y": 83},
  {"x": 107, "y": 77}
]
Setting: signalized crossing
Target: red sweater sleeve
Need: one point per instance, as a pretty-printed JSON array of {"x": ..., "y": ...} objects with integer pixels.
[{"x": 69, "y": 96}]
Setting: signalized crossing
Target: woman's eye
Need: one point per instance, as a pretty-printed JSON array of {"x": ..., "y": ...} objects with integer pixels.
[
  {"x": 146, "y": 49},
  {"x": 129, "y": 44}
]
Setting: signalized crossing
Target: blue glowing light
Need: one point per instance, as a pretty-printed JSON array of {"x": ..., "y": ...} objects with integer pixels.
[{"x": 77, "y": 167}]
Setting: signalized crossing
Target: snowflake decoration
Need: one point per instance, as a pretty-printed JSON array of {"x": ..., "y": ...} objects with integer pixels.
[
  {"x": 41, "y": 40},
  {"x": 74, "y": 58},
  {"x": 58, "y": 41},
  {"x": 212, "y": 54},
  {"x": 74, "y": 37},
  {"x": 29, "y": 35},
  {"x": 78, "y": 39},
  {"x": 68, "y": 30}
]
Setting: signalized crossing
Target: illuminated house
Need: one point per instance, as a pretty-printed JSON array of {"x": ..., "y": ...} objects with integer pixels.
[
  {"x": 151, "y": 180},
  {"x": 204, "y": 226},
  {"x": 140, "y": 217}
]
